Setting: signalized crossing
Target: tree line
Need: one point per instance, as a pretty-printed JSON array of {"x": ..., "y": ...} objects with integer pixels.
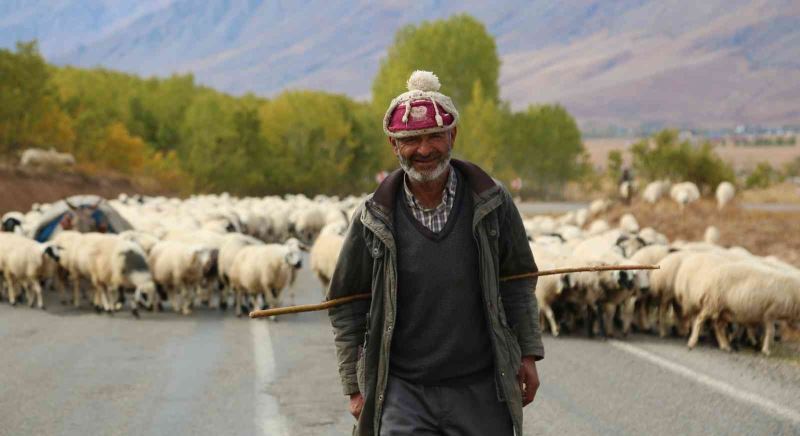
[{"x": 197, "y": 139}]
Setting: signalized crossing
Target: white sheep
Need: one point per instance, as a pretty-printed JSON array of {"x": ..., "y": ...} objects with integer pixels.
[
  {"x": 628, "y": 223},
  {"x": 117, "y": 264},
  {"x": 325, "y": 252},
  {"x": 227, "y": 256},
  {"x": 179, "y": 268},
  {"x": 655, "y": 190},
  {"x": 265, "y": 270},
  {"x": 684, "y": 193},
  {"x": 711, "y": 235},
  {"x": 33, "y": 157},
  {"x": 725, "y": 193},
  {"x": 640, "y": 302},
  {"x": 548, "y": 290},
  {"x": 26, "y": 263},
  {"x": 748, "y": 293}
]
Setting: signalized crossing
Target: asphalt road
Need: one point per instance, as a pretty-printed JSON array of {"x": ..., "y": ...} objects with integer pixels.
[{"x": 69, "y": 372}]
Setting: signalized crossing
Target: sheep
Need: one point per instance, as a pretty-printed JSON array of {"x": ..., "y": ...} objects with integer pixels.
[
  {"x": 642, "y": 300},
  {"x": 655, "y": 190},
  {"x": 684, "y": 193},
  {"x": 711, "y": 235},
  {"x": 725, "y": 193},
  {"x": 145, "y": 240},
  {"x": 265, "y": 270},
  {"x": 12, "y": 222},
  {"x": 548, "y": 290},
  {"x": 179, "y": 268},
  {"x": 748, "y": 293},
  {"x": 628, "y": 223},
  {"x": 662, "y": 286},
  {"x": 599, "y": 206},
  {"x": 689, "y": 292},
  {"x": 325, "y": 252},
  {"x": 651, "y": 237},
  {"x": 27, "y": 263},
  {"x": 626, "y": 189},
  {"x": 227, "y": 255},
  {"x": 120, "y": 264},
  {"x": 598, "y": 226},
  {"x": 74, "y": 264},
  {"x": 33, "y": 157}
]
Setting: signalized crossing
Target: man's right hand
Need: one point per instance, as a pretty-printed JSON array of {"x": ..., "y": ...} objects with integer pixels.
[{"x": 356, "y": 404}]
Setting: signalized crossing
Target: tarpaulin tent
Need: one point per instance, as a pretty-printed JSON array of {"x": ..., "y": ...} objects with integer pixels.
[{"x": 104, "y": 213}]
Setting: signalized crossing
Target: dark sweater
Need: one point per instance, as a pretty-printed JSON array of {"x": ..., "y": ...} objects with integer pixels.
[{"x": 440, "y": 332}]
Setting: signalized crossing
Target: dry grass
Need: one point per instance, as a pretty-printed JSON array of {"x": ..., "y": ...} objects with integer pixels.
[
  {"x": 740, "y": 157},
  {"x": 785, "y": 192},
  {"x": 763, "y": 233}
]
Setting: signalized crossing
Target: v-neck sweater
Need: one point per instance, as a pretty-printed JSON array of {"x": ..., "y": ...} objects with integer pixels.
[{"x": 440, "y": 332}]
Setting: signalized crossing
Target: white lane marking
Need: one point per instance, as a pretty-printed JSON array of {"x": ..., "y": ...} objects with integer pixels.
[
  {"x": 768, "y": 406},
  {"x": 267, "y": 415}
]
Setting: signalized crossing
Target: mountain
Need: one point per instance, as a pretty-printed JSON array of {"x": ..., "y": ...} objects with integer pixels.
[{"x": 626, "y": 62}]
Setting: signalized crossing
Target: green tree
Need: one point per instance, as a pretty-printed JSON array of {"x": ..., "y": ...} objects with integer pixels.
[
  {"x": 482, "y": 130},
  {"x": 459, "y": 50},
  {"x": 614, "y": 169},
  {"x": 26, "y": 96},
  {"x": 663, "y": 157}
]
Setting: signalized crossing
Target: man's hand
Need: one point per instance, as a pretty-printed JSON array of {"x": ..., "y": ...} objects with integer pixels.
[
  {"x": 528, "y": 380},
  {"x": 357, "y": 403}
]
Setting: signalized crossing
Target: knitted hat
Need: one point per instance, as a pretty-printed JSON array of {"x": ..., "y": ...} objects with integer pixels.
[{"x": 420, "y": 110}]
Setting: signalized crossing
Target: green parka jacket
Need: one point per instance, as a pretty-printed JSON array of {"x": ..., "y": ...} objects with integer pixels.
[{"x": 368, "y": 262}]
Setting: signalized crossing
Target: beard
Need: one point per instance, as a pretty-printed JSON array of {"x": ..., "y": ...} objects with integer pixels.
[{"x": 425, "y": 176}]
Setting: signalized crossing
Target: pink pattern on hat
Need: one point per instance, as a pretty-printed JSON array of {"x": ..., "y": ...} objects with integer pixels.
[{"x": 422, "y": 116}]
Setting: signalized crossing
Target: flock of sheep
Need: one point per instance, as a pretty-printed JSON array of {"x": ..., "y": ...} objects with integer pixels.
[
  {"x": 743, "y": 295},
  {"x": 218, "y": 250},
  {"x": 206, "y": 250}
]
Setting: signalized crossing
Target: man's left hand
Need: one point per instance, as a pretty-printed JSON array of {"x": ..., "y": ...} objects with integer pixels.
[{"x": 528, "y": 379}]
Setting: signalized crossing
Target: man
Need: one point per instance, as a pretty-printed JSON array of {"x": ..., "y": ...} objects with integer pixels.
[{"x": 445, "y": 346}]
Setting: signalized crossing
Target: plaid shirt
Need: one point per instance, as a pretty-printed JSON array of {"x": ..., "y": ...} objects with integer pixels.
[{"x": 434, "y": 219}]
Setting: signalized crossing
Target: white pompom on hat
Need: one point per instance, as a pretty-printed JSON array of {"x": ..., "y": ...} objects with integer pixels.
[{"x": 420, "y": 110}]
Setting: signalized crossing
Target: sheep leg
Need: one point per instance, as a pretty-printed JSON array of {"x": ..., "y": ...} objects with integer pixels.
[
  {"x": 12, "y": 291},
  {"x": 76, "y": 291},
  {"x": 628, "y": 314},
  {"x": 237, "y": 301},
  {"x": 551, "y": 319},
  {"x": 30, "y": 293},
  {"x": 722, "y": 338},
  {"x": 769, "y": 334},
  {"x": 37, "y": 291},
  {"x": 697, "y": 326},
  {"x": 663, "y": 325},
  {"x": 608, "y": 320}
]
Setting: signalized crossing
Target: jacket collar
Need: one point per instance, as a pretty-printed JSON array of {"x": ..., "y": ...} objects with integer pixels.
[{"x": 478, "y": 181}]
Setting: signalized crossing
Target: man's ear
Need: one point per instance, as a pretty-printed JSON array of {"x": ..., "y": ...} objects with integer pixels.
[
  {"x": 453, "y": 133},
  {"x": 393, "y": 143}
]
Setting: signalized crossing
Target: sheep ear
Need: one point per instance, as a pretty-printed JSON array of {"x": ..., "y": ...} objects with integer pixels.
[{"x": 621, "y": 239}]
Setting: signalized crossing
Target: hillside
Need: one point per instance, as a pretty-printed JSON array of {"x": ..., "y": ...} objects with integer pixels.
[{"x": 711, "y": 63}]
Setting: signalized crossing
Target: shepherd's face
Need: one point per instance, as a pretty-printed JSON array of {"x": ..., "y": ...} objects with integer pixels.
[{"x": 425, "y": 157}]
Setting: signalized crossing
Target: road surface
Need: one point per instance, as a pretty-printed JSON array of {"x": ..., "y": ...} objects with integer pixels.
[{"x": 73, "y": 372}]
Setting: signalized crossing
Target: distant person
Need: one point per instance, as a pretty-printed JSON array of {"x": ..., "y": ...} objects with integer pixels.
[
  {"x": 626, "y": 186},
  {"x": 444, "y": 347}
]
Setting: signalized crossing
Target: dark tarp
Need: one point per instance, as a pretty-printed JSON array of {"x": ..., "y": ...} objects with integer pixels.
[{"x": 52, "y": 216}]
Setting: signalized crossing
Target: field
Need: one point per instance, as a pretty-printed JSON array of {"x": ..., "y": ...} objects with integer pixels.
[
  {"x": 762, "y": 232},
  {"x": 740, "y": 157}
]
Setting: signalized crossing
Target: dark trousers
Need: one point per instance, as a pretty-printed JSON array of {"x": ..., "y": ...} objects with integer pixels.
[{"x": 468, "y": 409}]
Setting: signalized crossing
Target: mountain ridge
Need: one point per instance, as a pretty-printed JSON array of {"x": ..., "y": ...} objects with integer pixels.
[{"x": 719, "y": 62}]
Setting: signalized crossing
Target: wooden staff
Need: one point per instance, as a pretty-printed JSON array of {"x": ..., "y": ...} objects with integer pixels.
[{"x": 367, "y": 295}]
